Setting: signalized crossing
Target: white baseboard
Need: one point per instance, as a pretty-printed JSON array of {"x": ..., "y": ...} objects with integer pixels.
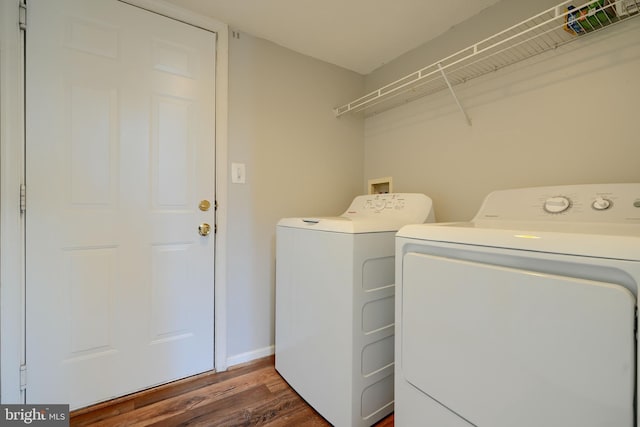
[{"x": 250, "y": 355}]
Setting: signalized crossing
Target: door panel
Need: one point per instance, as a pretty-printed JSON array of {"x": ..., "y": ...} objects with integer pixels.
[
  {"x": 120, "y": 151},
  {"x": 503, "y": 346}
]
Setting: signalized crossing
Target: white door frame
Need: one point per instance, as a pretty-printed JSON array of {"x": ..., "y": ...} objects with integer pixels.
[
  {"x": 12, "y": 160},
  {"x": 11, "y": 221}
]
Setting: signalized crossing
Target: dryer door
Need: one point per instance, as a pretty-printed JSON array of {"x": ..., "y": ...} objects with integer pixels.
[{"x": 504, "y": 347}]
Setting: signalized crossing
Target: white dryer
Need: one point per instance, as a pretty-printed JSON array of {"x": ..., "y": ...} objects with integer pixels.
[
  {"x": 525, "y": 316},
  {"x": 335, "y": 305}
]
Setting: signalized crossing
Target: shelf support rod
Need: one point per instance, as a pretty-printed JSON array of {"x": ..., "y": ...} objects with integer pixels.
[{"x": 444, "y": 76}]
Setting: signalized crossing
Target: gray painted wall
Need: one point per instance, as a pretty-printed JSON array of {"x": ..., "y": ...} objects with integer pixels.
[
  {"x": 300, "y": 161},
  {"x": 563, "y": 117}
]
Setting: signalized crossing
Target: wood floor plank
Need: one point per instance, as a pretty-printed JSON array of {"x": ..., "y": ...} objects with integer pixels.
[
  {"x": 195, "y": 399},
  {"x": 254, "y": 413},
  {"x": 200, "y": 381},
  {"x": 93, "y": 414},
  {"x": 253, "y": 394},
  {"x": 305, "y": 417},
  {"x": 229, "y": 408}
]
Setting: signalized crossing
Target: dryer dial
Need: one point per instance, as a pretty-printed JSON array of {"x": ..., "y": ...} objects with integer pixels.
[
  {"x": 601, "y": 204},
  {"x": 557, "y": 204}
]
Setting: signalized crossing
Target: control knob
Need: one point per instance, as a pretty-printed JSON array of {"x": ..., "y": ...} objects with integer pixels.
[
  {"x": 601, "y": 204},
  {"x": 557, "y": 204}
]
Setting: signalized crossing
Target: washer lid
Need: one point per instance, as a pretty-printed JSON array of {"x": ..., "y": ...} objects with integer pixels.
[
  {"x": 371, "y": 214},
  {"x": 614, "y": 241}
]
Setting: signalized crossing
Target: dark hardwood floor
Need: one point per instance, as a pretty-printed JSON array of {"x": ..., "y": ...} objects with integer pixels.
[{"x": 252, "y": 394}]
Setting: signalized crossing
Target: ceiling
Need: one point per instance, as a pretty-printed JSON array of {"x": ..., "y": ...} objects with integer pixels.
[{"x": 360, "y": 35}]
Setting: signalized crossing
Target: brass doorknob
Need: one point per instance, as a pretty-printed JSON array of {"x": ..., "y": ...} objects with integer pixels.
[
  {"x": 204, "y": 205},
  {"x": 204, "y": 229}
]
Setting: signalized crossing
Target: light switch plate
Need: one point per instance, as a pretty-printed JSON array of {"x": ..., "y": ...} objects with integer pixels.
[{"x": 238, "y": 175}]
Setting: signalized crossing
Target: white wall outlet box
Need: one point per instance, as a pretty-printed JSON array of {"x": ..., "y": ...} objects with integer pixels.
[{"x": 381, "y": 185}]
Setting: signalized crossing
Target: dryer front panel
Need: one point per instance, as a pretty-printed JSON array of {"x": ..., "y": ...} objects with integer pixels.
[{"x": 504, "y": 347}]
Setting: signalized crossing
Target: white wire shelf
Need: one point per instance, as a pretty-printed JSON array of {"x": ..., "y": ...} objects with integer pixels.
[{"x": 545, "y": 31}]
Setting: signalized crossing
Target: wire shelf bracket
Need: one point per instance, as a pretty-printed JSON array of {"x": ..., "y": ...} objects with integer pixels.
[{"x": 453, "y": 93}]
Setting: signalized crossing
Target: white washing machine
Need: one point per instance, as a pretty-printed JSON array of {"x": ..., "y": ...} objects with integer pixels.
[
  {"x": 525, "y": 316},
  {"x": 335, "y": 305}
]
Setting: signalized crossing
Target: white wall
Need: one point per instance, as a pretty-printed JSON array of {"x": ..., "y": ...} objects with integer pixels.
[
  {"x": 564, "y": 117},
  {"x": 300, "y": 160}
]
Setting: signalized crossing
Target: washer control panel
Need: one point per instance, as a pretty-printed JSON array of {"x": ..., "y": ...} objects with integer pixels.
[
  {"x": 380, "y": 203},
  {"x": 619, "y": 203},
  {"x": 390, "y": 205}
]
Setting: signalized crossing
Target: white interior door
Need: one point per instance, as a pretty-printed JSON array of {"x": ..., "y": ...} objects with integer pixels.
[{"x": 120, "y": 152}]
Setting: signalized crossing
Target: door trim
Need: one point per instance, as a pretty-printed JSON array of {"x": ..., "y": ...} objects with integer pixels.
[
  {"x": 12, "y": 285},
  {"x": 11, "y": 221}
]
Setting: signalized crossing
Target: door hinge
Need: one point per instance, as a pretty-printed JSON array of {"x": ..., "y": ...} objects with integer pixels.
[
  {"x": 22, "y": 19},
  {"x": 215, "y": 208},
  {"x": 23, "y": 198},
  {"x": 23, "y": 377}
]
